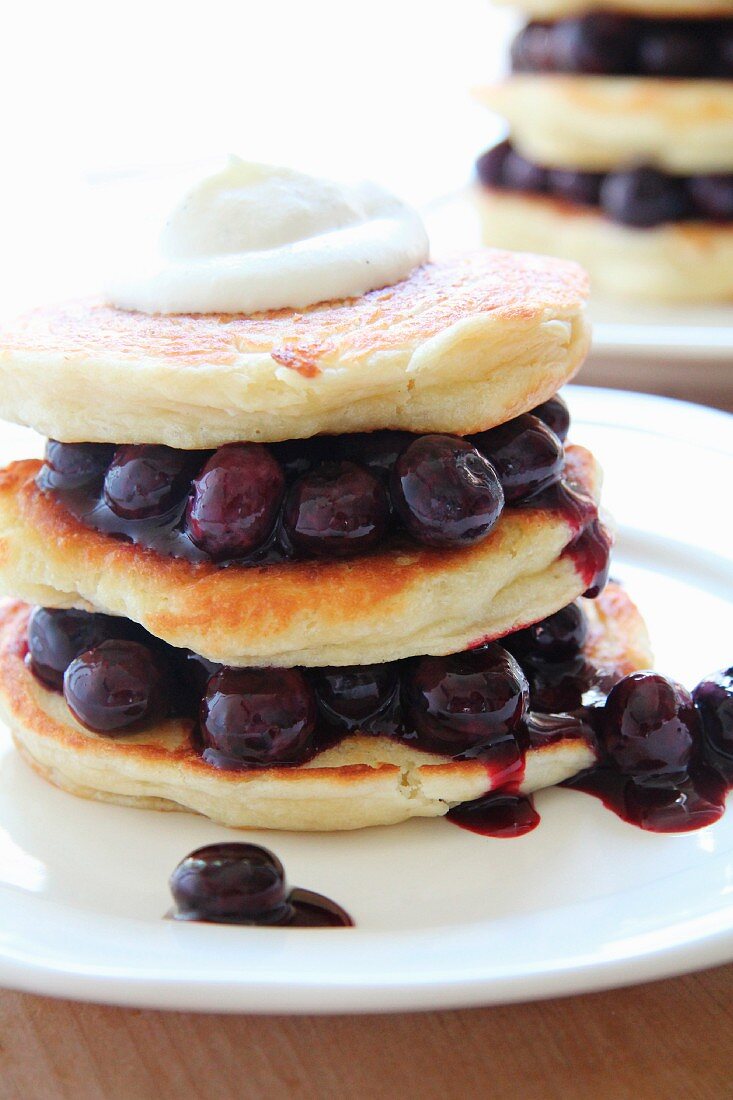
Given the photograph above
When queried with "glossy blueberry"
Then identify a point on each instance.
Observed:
(644, 197)
(572, 185)
(467, 701)
(56, 637)
(446, 492)
(713, 698)
(230, 882)
(600, 42)
(235, 501)
(556, 415)
(116, 687)
(556, 638)
(338, 510)
(712, 197)
(490, 165)
(561, 687)
(258, 716)
(147, 480)
(353, 695)
(525, 453)
(70, 466)
(650, 726)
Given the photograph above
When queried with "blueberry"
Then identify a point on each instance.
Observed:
(350, 696)
(235, 501)
(650, 727)
(259, 716)
(230, 882)
(468, 701)
(644, 197)
(446, 492)
(713, 698)
(147, 480)
(526, 454)
(556, 638)
(56, 637)
(556, 415)
(116, 687)
(338, 510)
(70, 466)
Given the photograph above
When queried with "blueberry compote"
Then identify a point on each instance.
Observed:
(235, 883)
(328, 497)
(640, 196)
(665, 757)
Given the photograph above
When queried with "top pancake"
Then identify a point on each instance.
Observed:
(656, 9)
(458, 346)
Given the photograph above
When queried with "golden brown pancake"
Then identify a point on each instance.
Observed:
(459, 346)
(598, 123)
(394, 603)
(676, 262)
(362, 781)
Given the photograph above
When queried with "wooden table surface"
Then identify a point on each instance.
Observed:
(665, 1039)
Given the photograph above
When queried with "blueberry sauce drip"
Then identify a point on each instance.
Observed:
(605, 43)
(502, 814)
(640, 196)
(659, 767)
(250, 504)
(237, 883)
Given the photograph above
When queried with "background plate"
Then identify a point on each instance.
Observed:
(445, 918)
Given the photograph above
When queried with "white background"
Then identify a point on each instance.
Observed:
(98, 93)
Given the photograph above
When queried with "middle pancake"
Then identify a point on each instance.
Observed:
(396, 602)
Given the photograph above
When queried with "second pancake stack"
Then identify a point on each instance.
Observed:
(621, 145)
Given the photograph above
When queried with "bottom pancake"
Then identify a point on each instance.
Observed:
(675, 262)
(362, 781)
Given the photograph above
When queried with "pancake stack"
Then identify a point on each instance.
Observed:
(262, 571)
(620, 153)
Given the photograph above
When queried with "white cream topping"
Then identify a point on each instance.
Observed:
(256, 237)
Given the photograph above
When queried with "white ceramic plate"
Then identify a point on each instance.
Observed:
(444, 917)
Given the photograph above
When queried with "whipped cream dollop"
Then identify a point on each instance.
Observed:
(257, 237)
